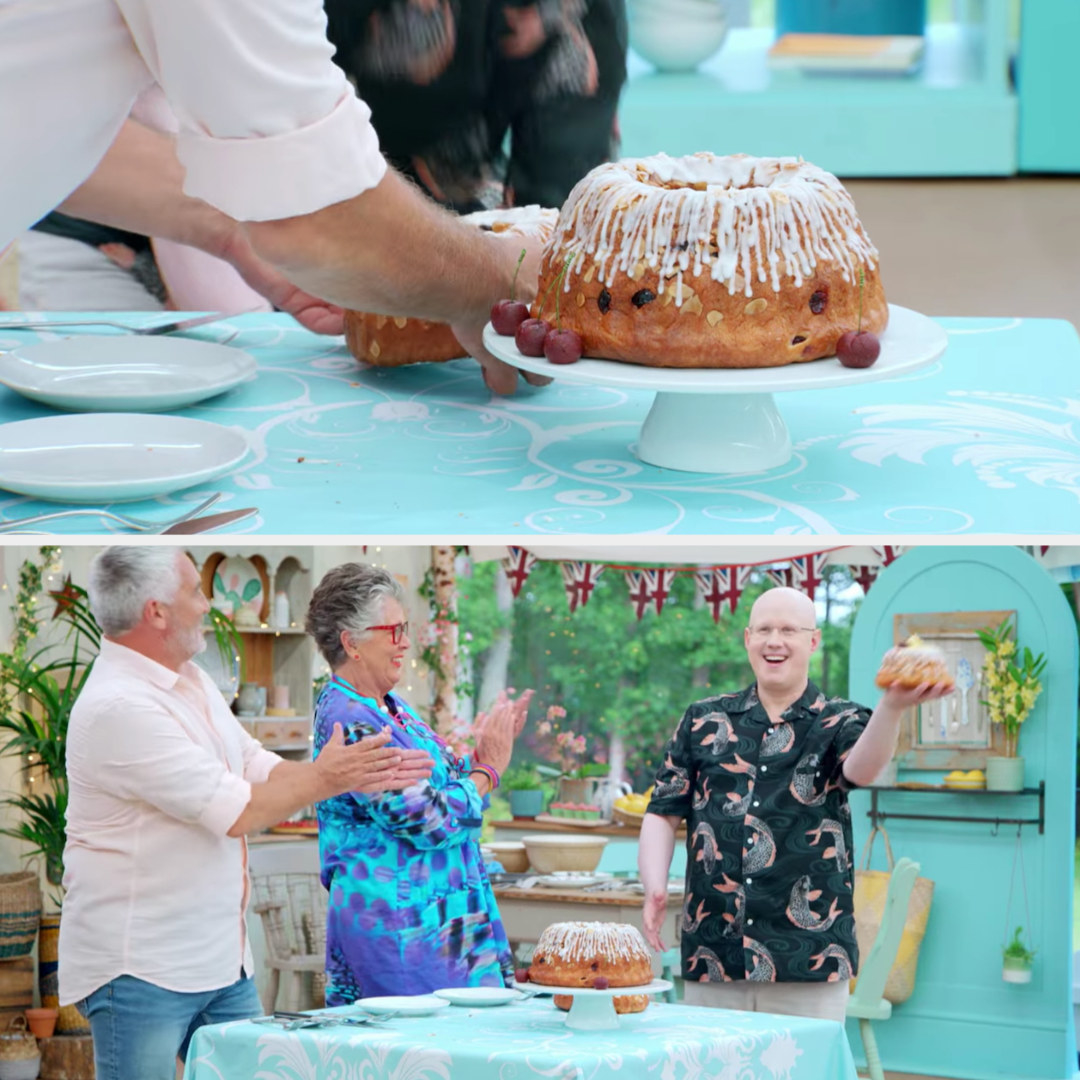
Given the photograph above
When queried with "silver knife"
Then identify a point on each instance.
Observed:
(209, 522)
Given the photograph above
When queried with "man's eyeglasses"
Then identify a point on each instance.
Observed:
(397, 631)
(786, 632)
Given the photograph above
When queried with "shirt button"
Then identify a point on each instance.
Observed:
(764, 768)
(756, 802)
(749, 881)
(749, 922)
(750, 841)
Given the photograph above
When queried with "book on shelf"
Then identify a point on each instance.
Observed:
(846, 53)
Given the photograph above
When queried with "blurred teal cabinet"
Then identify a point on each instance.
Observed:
(956, 116)
(1048, 83)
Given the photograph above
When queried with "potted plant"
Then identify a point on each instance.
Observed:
(524, 790)
(1012, 683)
(1016, 960)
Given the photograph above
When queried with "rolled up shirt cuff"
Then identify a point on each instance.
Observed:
(261, 765)
(281, 176)
(226, 805)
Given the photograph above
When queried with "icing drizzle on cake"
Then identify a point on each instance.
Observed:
(740, 219)
(575, 942)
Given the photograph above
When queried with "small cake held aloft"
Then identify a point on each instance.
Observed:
(392, 341)
(710, 262)
(912, 664)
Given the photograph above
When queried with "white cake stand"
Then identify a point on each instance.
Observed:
(726, 420)
(594, 1010)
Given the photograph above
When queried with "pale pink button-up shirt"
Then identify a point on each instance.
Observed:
(159, 770)
(269, 125)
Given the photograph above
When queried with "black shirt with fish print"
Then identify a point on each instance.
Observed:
(769, 867)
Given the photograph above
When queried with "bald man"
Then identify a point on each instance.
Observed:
(761, 779)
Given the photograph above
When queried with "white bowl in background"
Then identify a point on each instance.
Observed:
(552, 852)
(674, 42)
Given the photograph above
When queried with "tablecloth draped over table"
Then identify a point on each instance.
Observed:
(530, 1039)
(986, 440)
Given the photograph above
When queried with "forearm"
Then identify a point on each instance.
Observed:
(656, 846)
(393, 251)
(138, 186)
(290, 786)
(876, 745)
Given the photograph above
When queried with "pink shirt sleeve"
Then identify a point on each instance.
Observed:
(269, 125)
(155, 761)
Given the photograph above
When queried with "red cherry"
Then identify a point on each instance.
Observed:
(858, 350)
(507, 316)
(563, 347)
(601, 983)
(522, 974)
(529, 337)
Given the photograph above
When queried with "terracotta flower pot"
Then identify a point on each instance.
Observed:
(42, 1022)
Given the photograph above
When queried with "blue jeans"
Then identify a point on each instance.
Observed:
(140, 1029)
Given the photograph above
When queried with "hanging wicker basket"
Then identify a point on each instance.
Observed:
(20, 913)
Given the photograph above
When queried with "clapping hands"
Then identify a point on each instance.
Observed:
(494, 731)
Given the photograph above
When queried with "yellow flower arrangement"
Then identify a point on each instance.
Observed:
(1011, 680)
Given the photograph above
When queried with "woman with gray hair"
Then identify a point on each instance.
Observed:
(411, 909)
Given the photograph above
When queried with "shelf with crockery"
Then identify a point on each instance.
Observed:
(955, 115)
(266, 593)
(878, 815)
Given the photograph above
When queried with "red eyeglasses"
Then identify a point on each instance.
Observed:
(397, 631)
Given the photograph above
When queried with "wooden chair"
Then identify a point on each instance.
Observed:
(866, 1002)
(291, 903)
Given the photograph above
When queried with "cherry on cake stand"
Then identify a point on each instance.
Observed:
(727, 420)
(594, 1010)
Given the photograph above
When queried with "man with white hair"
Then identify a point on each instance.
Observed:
(761, 778)
(164, 785)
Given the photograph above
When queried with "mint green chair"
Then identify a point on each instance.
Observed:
(866, 1002)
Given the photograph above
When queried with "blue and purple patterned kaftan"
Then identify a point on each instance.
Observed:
(411, 909)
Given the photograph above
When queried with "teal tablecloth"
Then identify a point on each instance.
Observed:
(530, 1039)
(985, 441)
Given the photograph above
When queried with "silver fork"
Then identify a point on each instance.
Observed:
(150, 330)
(137, 524)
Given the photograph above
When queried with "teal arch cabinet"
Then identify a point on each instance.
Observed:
(1048, 81)
(963, 1020)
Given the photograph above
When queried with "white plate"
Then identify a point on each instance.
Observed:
(657, 986)
(411, 1005)
(909, 341)
(480, 996)
(105, 372)
(114, 457)
(572, 879)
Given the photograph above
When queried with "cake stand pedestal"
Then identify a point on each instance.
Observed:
(714, 420)
(594, 1010)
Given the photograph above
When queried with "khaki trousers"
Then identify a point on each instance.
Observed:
(819, 1000)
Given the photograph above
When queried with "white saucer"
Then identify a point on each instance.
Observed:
(122, 374)
(407, 1005)
(480, 996)
(114, 457)
(715, 420)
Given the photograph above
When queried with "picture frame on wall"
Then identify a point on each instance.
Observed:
(953, 732)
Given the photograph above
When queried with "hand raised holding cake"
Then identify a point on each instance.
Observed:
(914, 672)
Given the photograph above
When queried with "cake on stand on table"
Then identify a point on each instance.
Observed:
(726, 420)
(594, 1010)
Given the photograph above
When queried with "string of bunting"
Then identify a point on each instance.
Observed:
(719, 587)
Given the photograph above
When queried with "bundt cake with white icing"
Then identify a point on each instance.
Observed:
(710, 262)
(392, 341)
(912, 664)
